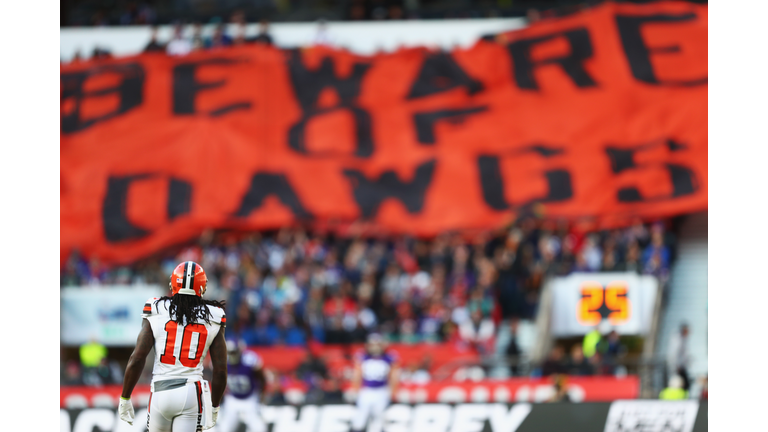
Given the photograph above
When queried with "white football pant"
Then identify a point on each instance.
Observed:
(234, 409)
(371, 403)
(177, 410)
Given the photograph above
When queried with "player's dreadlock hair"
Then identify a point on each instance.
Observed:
(186, 308)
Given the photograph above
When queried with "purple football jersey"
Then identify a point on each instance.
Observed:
(375, 369)
(240, 380)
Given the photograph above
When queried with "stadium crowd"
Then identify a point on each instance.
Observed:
(297, 287)
(75, 13)
(291, 286)
(131, 12)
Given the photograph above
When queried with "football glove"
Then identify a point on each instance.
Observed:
(214, 416)
(126, 411)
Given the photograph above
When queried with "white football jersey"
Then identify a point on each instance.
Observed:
(180, 349)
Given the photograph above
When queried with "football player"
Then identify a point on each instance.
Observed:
(246, 384)
(375, 380)
(182, 328)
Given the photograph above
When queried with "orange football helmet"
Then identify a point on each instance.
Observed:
(188, 278)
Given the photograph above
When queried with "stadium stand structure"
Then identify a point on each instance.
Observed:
(687, 293)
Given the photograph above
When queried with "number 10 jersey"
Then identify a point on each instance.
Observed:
(180, 349)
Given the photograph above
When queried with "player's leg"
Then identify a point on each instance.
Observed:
(190, 419)
(252, 417)
(228, 416)
(163, 406)
(378, 406)
(362, 410)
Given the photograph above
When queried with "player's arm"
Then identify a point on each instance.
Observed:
(261, 377)
(394, 377)
(219, 364)
(357, 376)
(144, 344)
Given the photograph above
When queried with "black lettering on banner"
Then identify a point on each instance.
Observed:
(370, 194)
(309, 84)
(639, 54)
(129, 92)
(114, 213)
(683, 179)
(440, 72)
(117, 227)
(266, 184)
(425, 121)
(572, 64)
(492, 182)
(179, 198)
(186, 88)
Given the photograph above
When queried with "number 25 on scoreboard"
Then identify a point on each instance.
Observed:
(598, 303)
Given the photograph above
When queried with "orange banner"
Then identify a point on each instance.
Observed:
(600, 115)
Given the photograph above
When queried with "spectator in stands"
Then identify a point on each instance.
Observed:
(578, 364)
(240, 34)
(593, 256)
(71, 374)
(107, 372)
(396, 12)
(599, 365)
(612, 349)
(679, 356)
(566, 260)
(198, 43)
(313, 365)
(154, 45)
(632, 262)
(451, 335)
(415, 373)
(313, 312)
(284, 331)
(591, 340)
(555, 363)
(675, 390)
(322, 35)
(130, 13)
(92, 353)
(513, 351)
(478, 332)
(356, 11)
(433, 320)
(656, 255)
(263, 37)
(219, 39)
(338, 310)
(238, 19)
(481, 301)
(99, 19)
(333, 393)
(639, 233)
(610, 264)
(146, 15)
(178, 45)
(378, 9)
